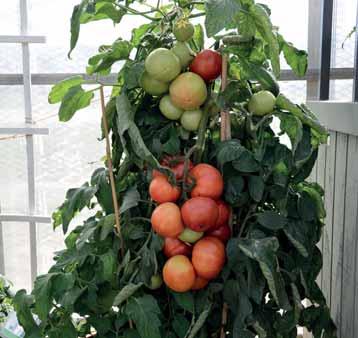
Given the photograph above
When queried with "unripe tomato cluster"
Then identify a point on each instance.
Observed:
(183, 74)
(195, 231)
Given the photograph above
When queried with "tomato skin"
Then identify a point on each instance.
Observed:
(208, 257)
(173, 247)
(161, 191)
(190, 120)
(166, 220)
(207, 64)
(177, 169)
(179, 274)
(188, 91)
(156, 282)
(183, 30)
(209, 182)
(223, 233)
(200, 213)
(190, 236)
(200, 283)
(224, 214)
(153, 86)
(262, 103)
(168, 109)
(184, 53)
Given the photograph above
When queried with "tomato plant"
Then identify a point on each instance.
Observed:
(207, 64)
(259, 278)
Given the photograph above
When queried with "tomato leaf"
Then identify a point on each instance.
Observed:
(75, 99)
(128, 291)
(184, 300)
(145, 312)
(221, 14)
(130, 199)
(271, 220)
(61, 88)
(256, 187)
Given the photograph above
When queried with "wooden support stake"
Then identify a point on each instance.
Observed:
(225, 134)
(110, 170)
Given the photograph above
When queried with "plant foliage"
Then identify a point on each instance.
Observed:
(272, 258)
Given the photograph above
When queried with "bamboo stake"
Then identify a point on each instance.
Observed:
(225, 134)
(110, 170)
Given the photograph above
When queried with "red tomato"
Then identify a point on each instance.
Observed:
(200, 283)
(208, 257)
(224, 213)
(200, 213)
(208, 181)
(207, 64)
(166, 220)
(223, 233)
(179, 274)
(161, 191)
(174, 247)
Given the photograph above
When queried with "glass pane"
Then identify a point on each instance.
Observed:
(13, 174)
(10, 18)
(10, 57)
(341, 90)
(295, 90)
(17, 254)
(11, 104)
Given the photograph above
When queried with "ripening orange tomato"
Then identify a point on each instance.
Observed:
(208, 181)
(224, 213)
(200, 283)
(161, 191)
(174, 247)
(200, 213)
(179, 274)
(208, 257)
(166, 220)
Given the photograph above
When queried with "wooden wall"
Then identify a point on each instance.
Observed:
(337, 172)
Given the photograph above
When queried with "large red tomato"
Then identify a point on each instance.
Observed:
(208, 257)
(200, 283)
(223, 233)
(166, 220)
(207, 64)
(200, 213)
(174, 247)
(176, 165)
(208, 181)
(224, 213)
(161, 191)
(179, 274)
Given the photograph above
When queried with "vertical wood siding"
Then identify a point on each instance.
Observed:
(337, 172)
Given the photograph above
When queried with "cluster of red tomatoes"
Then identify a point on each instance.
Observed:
(166, 70)
(196, 231)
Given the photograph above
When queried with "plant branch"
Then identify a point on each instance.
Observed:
(135, 12)
(110, 170)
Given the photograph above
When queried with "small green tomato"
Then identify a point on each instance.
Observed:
(190, 236)
(169, 110)
(190, 120)
(262, 103)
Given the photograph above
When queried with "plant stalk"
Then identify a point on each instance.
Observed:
(110, 170)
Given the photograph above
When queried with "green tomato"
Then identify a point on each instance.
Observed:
(190, 120)
(156, 282)
(262, 103)
(153, 86)
(190, 236)
(184, 53)
(183, 30)
(169, 110)
(162, 64)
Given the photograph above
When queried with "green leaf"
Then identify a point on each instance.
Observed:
(246, 162)
(103, 10)
(100, 179)
(119, 50)
(199, 37)
(297, 234)
(234, 190)
(108, 261)
(185, 300)
(221, 14)
(297, 59)
(145, 312)
(22, 303)
(76, 24)
(130, 199)
(193, 331)
(76, 200)
(75, 99)
(132, 73)
(292, 126)
(247, 25)
(256, 187)
(228, 151)
(125, 124)
(264, 252)
(128, 291)
(271, 220)
(180, 325)
(107, 224)
(265, 28)
(172, 146)
(138, 33)
(60, 89)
